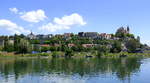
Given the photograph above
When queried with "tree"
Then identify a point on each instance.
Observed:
(8, 46)
(68, 53)
(138, 38)
(16, 42)
(24, 46)
(1, 48)
(35, 41)
(132, 45)
(22, 36)
(44, 49)
(116, 47)
(103, 49)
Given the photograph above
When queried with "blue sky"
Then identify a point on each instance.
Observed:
(60, 16)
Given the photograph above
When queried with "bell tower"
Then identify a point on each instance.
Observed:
(128, 29)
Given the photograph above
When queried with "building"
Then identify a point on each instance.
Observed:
(105, 36)
(50, 35)
(11, 41)
(31, 36)
(71, 45)
(88, 34)
(1, 42)
(44, 45)
(68, 34)
(81, 34)
(91, 34)
(123, 30)
(58, 35)
(88, 45)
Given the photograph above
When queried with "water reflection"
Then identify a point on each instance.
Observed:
(16, 68)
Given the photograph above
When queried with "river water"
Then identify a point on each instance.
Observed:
(87, 70)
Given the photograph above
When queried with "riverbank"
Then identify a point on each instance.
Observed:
(76, 54)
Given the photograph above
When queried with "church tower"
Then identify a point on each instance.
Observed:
(128, 29)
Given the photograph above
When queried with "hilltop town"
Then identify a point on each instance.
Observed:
(121, 41)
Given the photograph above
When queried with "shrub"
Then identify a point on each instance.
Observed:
(68, 53)
(55, 54)
(44, 54)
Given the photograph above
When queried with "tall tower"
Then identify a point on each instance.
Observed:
(31, 32)
(128, 29)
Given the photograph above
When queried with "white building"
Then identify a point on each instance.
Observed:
(31, 36)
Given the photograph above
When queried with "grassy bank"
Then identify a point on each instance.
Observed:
(75, 54)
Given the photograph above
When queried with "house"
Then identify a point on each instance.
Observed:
(105, 36)
(11, 41)
(40, 36)
(88, 34)
(57, 45)
(44, 45)
(91, 34)
(68, 34)
(50, 35)
(81, 34)
(1, 42)
(71, 45)
(88, 45)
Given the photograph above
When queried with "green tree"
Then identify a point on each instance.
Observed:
(102, 50)
(68, 53)
(1, 48)
(8, 46)
(132, 45)
(116, 47)
(120, 35)
(35, 41)
(24, 46)
(16, 42)
(44, 49)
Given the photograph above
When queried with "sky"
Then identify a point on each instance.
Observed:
(63, 16)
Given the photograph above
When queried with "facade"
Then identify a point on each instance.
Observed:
(44, 45)
(81, 34)
(91, 34)
(105, 36)
(88, 45)
(71, 45)
(1, 42)
(40, 36)
(11, 41)
(68, 34)
(88, 34)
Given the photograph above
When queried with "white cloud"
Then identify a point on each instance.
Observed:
(65, 22)
(34, 16)
(12, 27)
(14, 10)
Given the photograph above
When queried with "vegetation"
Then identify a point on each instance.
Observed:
(132, 45)
(121, 41)
(1, 48)
(116, 47)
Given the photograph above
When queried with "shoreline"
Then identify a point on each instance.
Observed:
(59, 54)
